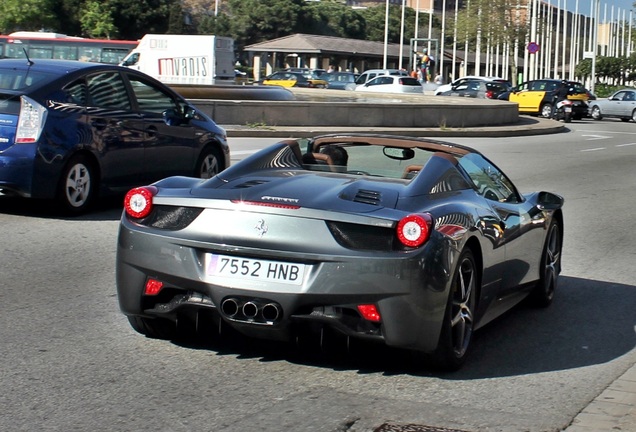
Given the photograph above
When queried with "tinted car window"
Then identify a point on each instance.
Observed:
(9, 104)
(11, 79)
(410, 81)
(150, 98)
(577, 87)
(491, 183)
(107, 90)
(76, 92)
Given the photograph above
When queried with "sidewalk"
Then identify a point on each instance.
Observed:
(613, 410)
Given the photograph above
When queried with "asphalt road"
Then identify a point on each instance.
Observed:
(70, 361)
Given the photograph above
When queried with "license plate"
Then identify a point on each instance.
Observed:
(568, 109)
(255, 269)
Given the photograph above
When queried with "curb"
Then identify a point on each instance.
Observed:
(526, 126)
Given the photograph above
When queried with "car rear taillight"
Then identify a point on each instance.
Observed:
(153, 287)
(490, 94)
(413, 230)
(369, 312)
(138, 201)
(30, 122)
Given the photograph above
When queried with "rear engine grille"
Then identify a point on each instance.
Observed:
(368, 197)
(364, 237)
(171, 218)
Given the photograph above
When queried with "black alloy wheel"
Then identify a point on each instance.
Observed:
(543, 293)
(458, 326)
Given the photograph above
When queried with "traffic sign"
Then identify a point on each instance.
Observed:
(533, 47)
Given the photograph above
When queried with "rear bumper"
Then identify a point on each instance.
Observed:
(16, 169)
(410, 297)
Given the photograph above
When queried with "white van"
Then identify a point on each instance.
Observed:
(184, 59)
(372, 73)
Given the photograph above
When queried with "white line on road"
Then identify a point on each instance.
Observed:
(596, 137)
(593, 149)
(626, 145)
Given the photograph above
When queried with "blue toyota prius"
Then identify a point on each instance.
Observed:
(71, 131)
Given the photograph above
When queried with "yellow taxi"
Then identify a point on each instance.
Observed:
(537, 96)
(293, 79)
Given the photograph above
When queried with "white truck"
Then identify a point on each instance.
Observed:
(184, 59)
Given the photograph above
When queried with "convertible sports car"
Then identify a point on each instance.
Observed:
(406, 241)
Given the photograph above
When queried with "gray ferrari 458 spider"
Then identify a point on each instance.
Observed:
(410, 242)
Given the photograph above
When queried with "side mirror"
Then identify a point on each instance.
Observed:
(172, 117)
(189, 112)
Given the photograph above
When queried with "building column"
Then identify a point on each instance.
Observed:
(256, 65)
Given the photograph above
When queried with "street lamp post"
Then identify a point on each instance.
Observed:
(597, 12)
(386, 34)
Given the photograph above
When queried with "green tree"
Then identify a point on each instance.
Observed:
(31, 15)
(254, 21)
(375, 18)
(97, 20)
(333, 18)
(133, 19)
(584, 69)
(67, 16)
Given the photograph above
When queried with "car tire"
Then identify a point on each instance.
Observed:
(546, 110)
(458, 325)
(596, 113)
(208, 164)
(543, 293)
(78, 184)
(157, 328)
(634, 116)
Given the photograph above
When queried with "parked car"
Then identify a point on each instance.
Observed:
(399, 240)
(341, 80)
(391, 84)
(308, 72)
(447, 87)
(478, 89)
(372, 73)
(622, 105)
(73, 130)
(293, 79)
(537, 97)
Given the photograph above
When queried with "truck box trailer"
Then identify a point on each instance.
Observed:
(184, 59)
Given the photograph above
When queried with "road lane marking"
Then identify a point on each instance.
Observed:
(626, 145)
(594, 149)
(596, 137)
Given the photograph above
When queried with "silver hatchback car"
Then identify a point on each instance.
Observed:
(392, 84)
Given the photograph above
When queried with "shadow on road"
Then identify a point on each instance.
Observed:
(108, 208)
(589, 323)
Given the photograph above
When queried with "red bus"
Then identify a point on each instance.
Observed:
(59, 46)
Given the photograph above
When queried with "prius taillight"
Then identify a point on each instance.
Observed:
(31, 121)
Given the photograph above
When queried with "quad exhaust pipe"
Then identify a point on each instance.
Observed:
(251, 310)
